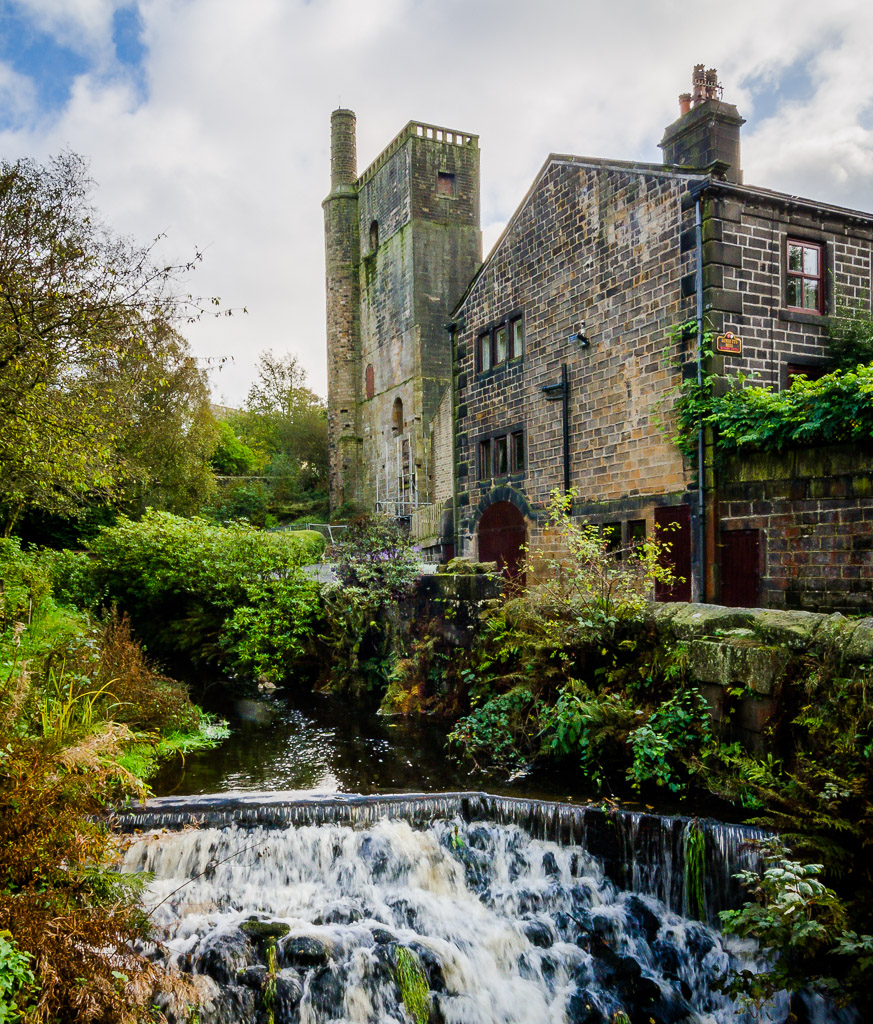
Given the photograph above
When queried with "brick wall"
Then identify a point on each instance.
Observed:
(814, 511)
(599, 242)
(745, 281)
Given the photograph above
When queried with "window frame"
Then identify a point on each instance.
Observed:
(488, 447)
(802, 276)
(484, 465)
(486, 342)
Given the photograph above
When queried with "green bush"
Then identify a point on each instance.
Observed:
(210, 593)
(836, 408)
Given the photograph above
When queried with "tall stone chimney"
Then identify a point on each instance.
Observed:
(706, 136)
(342, 255)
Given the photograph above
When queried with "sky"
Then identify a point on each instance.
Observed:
(206, 122)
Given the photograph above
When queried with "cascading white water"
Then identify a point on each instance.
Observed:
(508, 929)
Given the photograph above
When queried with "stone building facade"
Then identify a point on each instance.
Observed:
(402, 241)
(567, 356)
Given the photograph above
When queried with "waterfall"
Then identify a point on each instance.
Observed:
(455, 908)
(641, 852)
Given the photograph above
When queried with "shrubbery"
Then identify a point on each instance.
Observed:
(376, 569)
(836, 408)
(83, 720)
(228, 595)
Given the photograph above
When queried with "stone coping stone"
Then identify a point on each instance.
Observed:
(815, 632)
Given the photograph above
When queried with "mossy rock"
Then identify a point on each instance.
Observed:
(685, 621)
(464, 567)
(795, 629)
(859, 647)
(260, 930)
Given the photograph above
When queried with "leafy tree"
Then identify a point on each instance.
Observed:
(288, 422)
(168, 432)
(87, 356)
(232, 456)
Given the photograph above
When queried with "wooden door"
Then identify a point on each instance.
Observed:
(673, 530)
(740, 568)
(502, 534)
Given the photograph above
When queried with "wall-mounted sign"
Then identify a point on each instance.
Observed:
(729, 342)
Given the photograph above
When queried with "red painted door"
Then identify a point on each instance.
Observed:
(673, 530)
(502, 534)
(740, 568)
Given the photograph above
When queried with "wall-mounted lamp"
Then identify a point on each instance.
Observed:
(580, 337)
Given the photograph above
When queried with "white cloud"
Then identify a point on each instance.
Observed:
(229, 150)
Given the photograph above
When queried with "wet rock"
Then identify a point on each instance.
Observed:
(253, 977)
(234, 1004)
(476, 865)
(404, 913)
(528, 901)
(667, 957)
(375, 852)
(570, 927)
(479, 838)
(432, 966)
(550, 865)
(642, 918)
(323, 993)
(289, 991)
(340, 912)
(538, 933)
(382, 936)
(581, 1009)
(302, 951)
(698, 941)
(623, 976)
(222, 955)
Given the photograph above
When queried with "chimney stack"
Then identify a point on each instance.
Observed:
(706, 136)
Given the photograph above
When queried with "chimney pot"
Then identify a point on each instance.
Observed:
(684, 103)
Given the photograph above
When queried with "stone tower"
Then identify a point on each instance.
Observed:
(402, 244)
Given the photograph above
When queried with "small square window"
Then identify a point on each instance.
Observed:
(445, 184)
(500, 345)
(501, 456)
(485, 460)
(636, 532)
(516, 333)
(483, 350)
(804, 280)
(517, 451)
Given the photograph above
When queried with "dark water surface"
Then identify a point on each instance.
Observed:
(319, 744)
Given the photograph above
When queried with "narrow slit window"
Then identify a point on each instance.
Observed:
(500, 345)
(483, 345)
(501, 456)
(485, 459)
(516, 333)
(517, 451)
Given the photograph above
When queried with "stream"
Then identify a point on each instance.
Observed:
(309, 895)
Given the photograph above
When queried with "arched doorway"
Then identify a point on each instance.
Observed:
(502, 534)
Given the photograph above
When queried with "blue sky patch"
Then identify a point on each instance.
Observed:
(791, 84)
(53, 67)
(50, 66)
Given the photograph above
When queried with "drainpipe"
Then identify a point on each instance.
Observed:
(452, 328)
(565, 391)
(562, 391)
(701, 475)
